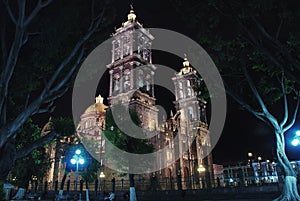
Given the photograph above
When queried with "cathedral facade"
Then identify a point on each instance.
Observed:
(185, 135)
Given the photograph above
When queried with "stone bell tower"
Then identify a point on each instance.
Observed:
(193, 131)
(132, 72)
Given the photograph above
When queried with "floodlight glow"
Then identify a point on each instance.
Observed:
(201, 168)
(78, 151)
(73, 161)
(81, 161)
(298, 133)
(102, 175)
(295, 142)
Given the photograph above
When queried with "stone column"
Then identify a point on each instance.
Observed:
(152, 84)
(121, 79)
(111, 82)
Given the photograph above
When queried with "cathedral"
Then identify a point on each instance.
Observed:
(184, 134)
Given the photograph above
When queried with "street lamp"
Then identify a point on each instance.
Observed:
(102, 175)
(77, 159)
(201, 168)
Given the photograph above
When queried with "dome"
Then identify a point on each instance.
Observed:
(97, 108)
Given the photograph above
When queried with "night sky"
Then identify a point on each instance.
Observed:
(242, 133)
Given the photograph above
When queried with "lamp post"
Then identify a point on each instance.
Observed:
(201, 169)
(77, 159)
(101, 176)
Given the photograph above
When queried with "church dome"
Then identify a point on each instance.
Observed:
(98, 107)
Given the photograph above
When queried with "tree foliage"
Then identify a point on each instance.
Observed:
(36, 163)
(124, 141)
(121, 139)
(252, 43)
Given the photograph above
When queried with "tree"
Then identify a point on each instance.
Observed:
(259, 68)
(125, 142)
(36, 162)
(18, 103)
(33, 161)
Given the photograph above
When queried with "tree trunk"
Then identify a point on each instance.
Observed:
(7, 159)
(289, 191)
(62, 184)
(132, 189)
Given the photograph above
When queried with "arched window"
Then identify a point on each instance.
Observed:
(180, 85)
(140, 79)
(126, 80)
(190, 113)
(188, 83)
(189, 92)
(126, 50)
(147, 85)
(148, 78)
(116, 85)
(180, 94)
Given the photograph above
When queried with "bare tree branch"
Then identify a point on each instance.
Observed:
(252, 39)
(3, 117)
(22, 8)
(55, 94)
(276, 43)
(285, 103)
(9, 11)
(41, 4)
(70, 73)
(8, 130)
(3, 43)
(279, 28)
(12, 58)
(294, 117)
(266, 112)
(45, 109)
(36, 144)
(246, 106)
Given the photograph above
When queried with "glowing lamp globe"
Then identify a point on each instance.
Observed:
(78, 151)
(73, 161)
(298, 133)
(295, 142)
(81, 161)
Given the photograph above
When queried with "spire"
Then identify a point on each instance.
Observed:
(131, 16)
(99, 99)
(186, 62)
(186, 67)
(171, 114)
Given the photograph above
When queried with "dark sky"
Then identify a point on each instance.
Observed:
(242, 132)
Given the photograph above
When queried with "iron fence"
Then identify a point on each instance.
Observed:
(148, 184)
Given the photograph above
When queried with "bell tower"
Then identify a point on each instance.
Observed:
(191, 107)
(192, 123)
(132, 72)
